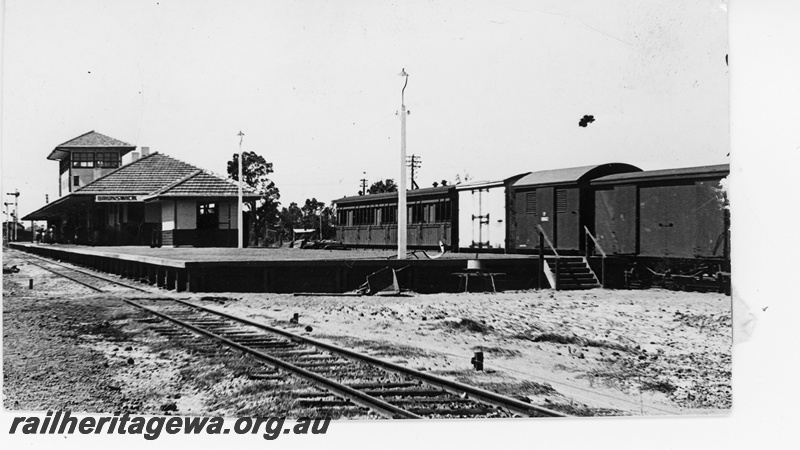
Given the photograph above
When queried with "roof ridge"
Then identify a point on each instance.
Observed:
(211, 173)
(76, 137)
(114, 141)
(176, 182)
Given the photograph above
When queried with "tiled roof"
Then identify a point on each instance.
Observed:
(144, 176)
(94, 139)
(204, 184)
(158, 175)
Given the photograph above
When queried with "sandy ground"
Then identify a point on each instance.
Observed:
(597, 352)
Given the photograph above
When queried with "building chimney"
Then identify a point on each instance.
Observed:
(134, 156)
(145, 151)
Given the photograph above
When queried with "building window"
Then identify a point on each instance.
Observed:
(83, 159)
(207, 216)
(107, 159)
(76, 180)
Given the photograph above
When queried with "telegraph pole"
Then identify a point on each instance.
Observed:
(364, 184)
(239, 210)
(402, 211)
(414, 162)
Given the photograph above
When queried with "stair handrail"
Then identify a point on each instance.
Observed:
(596, 244)
(552, 247)
(602, 252)
(547, 239)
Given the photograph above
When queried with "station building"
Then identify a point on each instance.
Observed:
(153, 200)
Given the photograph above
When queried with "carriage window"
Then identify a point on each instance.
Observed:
(442, 212)
(389, 214)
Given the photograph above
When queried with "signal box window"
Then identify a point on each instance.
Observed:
(83, 160)
(107, 160)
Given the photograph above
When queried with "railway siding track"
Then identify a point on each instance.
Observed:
(95, 282)
(348, 377)
(337, 379)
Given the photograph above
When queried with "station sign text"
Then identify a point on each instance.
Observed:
(118, 198)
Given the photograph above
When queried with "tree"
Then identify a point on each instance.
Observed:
(264, 213)
(312, 215)
(379, 187)
(291, 217)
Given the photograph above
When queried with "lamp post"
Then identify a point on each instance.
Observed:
(402, 210)
(239, 208)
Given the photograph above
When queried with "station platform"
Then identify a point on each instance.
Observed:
(286, 270)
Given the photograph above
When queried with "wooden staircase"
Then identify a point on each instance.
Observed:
(566, 273)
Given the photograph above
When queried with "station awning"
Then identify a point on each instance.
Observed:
(61, 207)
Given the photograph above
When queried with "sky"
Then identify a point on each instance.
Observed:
(495, 88)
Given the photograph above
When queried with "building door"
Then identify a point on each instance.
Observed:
(208, 224)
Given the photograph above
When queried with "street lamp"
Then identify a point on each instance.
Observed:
(402, 210)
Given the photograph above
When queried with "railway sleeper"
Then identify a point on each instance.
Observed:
(311, 403)
(453, 412)
(425, 401)
(297, 353)
(323, 365)
(406, 393)
(383, 385)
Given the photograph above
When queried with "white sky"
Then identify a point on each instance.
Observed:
(495, 89)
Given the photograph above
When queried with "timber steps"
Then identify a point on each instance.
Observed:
(566, 273)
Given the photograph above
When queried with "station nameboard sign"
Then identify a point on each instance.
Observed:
(118, 198)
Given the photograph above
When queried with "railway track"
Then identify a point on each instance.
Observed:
(345, 379)
(93, 281)
(338, 380)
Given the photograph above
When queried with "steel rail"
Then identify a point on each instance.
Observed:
(86, 273)
(67, 277)
(454, 387)
(359, 398)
